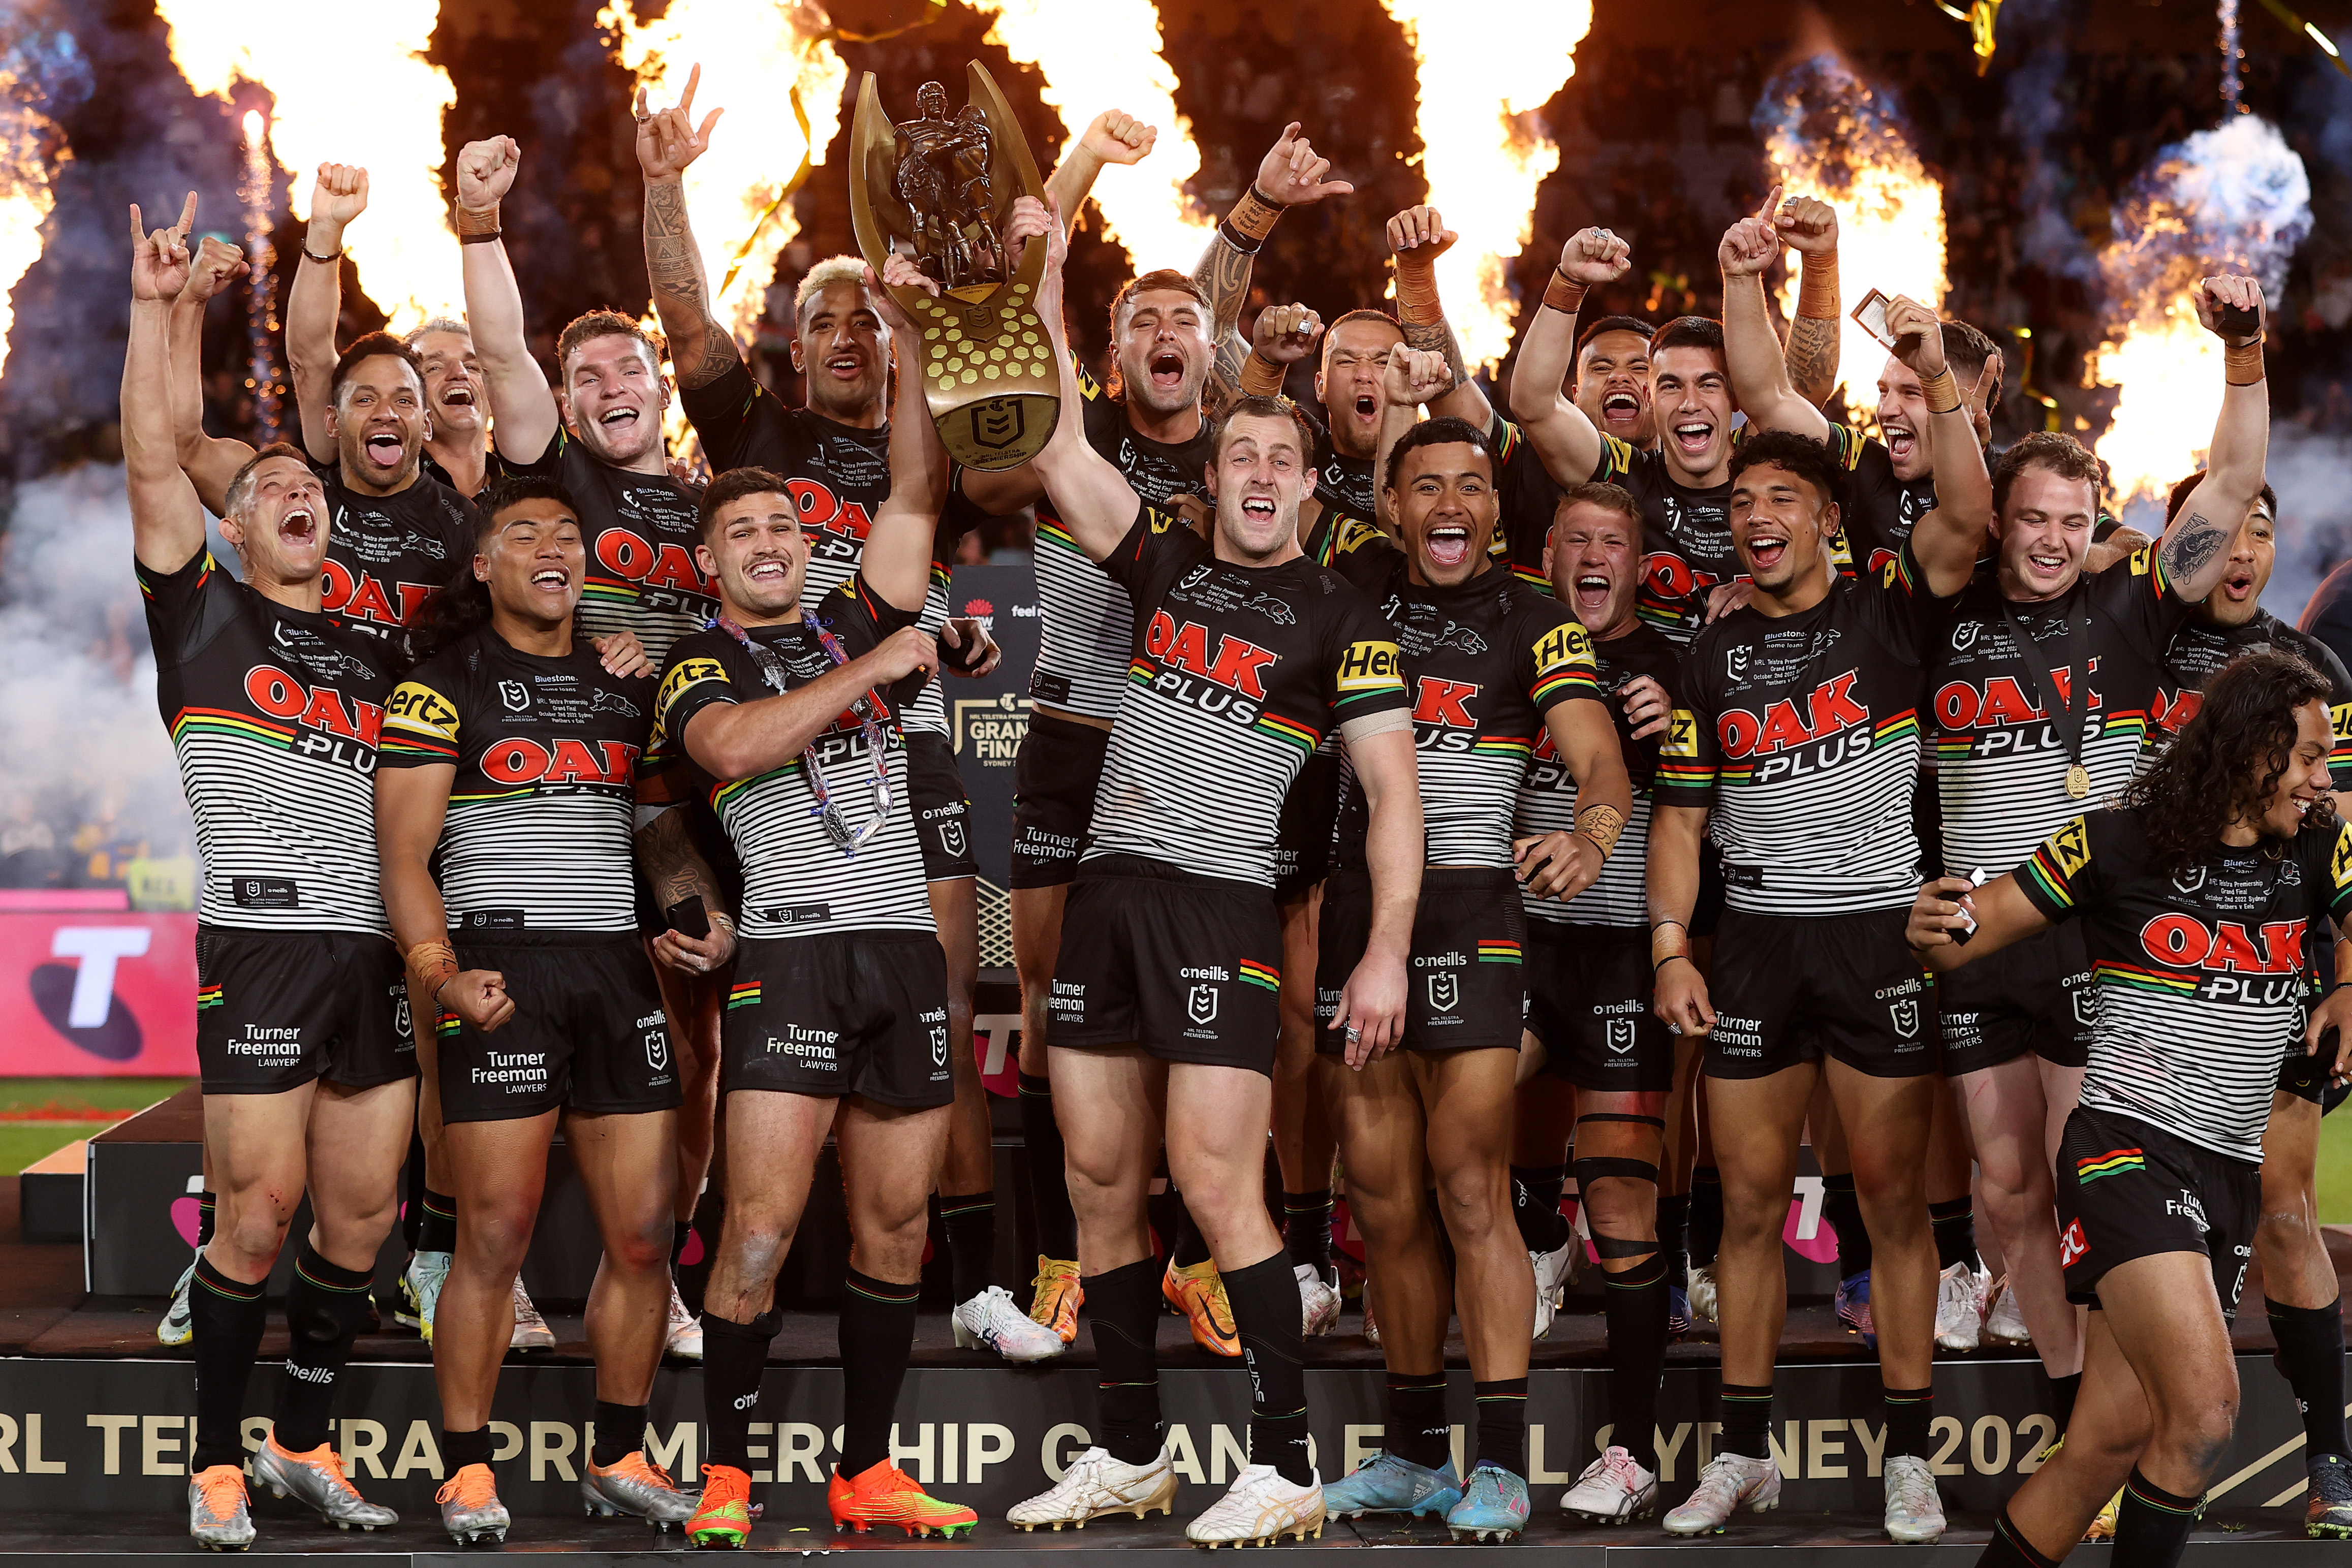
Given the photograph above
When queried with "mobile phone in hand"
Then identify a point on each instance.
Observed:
(688, 918)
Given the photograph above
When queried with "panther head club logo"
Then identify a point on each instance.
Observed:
(951, 839)
(938, 1045)
(1906, 1014)
(515, 695)
(1201, 1004)
(2191, 880)
(1621, 1036)
(1444, 991)
(658, 1049)
(1735, 664)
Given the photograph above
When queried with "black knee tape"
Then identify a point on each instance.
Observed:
(1657, 1121)
(1597, 1166)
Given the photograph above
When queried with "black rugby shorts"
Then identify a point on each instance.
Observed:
(1054, 781)
(2128, 1189)
(862, 1012)
(2034, 996)
(277, 1009)
(1589, 1002)
(942, 810)
(1302, 841)
(1466, 982)
(1789, 989)
(588, 1031)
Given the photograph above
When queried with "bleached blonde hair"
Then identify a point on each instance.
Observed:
(832, 269)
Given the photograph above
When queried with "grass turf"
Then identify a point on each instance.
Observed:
(39, 1115)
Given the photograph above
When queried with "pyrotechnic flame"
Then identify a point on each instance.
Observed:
(1832, 135)
(25, 195)
(2232, 199)
(1094, 55)
(755, 54)
(407, 258)
(1484, 150)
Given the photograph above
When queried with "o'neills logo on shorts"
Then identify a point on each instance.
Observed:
(1212, 971)
(278, 1045)
(806, 1044)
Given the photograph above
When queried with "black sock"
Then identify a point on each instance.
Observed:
(2062, 1390)
(204, 1202)
(1503, 1424)
(325, 1308)
(620, 1432)
(681, 1231)
(1843, 1210)
(1418, 1432)
(2010, 1549)
(1673, 1238)
(1954, 1222)
(1747, 1420)
(1535, 1204)
(1306, 1229)
(1265, 1299)
(227, 1316)
(734, 1357)
(1122, 1308)
(2152, 1526)
(1706, 1216)
(459, 1450)
(2311, 1358)
(1908, 1413)
(970, 1221)
(439, 1233)
(1636, 1303)
(1191, 1248)
(877, 1332)
(1049, 1176)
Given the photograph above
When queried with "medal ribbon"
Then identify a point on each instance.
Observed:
(867, 707)
(2053, 700)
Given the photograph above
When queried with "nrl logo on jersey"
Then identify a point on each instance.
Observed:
(1964, 635)
(2193, 880)
(1735, 664)
(515, 695)
(939, 1046)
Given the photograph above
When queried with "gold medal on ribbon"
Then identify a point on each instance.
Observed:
(2078, 782)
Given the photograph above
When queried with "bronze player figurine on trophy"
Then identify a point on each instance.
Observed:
(940, 190)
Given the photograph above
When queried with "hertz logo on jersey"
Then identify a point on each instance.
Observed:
(689, 672)
(1369, 666)
(1569, 643)
(1239, 667)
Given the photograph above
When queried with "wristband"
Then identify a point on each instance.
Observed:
(2243, 366)
(1817, 289)
(1261, 377)
(1563, 295)
(471, 224)
(1416, 293)
(1251, 219)
(1601, 824)
(327, 261)
(483, 239)
(1942, 393)
(431, 965)
(1668, 940)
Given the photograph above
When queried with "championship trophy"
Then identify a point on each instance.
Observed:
(939, 189)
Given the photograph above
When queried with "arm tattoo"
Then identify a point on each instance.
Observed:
(1813, 342)
(2190, 543)
(1226, 368)
(1438, 335)
(672, 866)
(674, 268)
(1224, 274)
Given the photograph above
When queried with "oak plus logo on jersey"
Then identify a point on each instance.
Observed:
(2001, 706)
(2263, 966)
(1235, 674)
(327, 724)
(633, 567)
(523, 762)
(362, 598)
(1794, 737)
(1445, 706)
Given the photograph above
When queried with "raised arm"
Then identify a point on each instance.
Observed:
(1417, 238)
(1113, 136)
(1092, 497)
(1751, 349)
(1290, 174)
(209, 461)
(1948, 538)
(522, 408)
(167, 522)
(2195, 548)
(1811, 226)
(897, 563)
(701, 348)
(1411, 378)
(315, 304)
(1564, 437)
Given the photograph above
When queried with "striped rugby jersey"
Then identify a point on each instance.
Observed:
(387, 554)
(2202, 974)
(1801, 733)
(1686, 534)
(1237, 673)
(1879, 511)
(539, 830)
(838, 475)
(2198, 652)
(2000, 768)
(796, 882)
(274, 716)
(1484, 663)
(640, 531)
(1085, 619)
(1619, 897)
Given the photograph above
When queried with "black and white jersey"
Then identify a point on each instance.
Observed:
(540, 829)
(2201, 973)
(1485, 662)
(796, 880)
(1801, 733)
(1086, 621)
(1237, 673)
(2000, 766)
(837, 475)
(1341, 483)
(1619, 897)
(1880, 510)
(274, 716)
(2198, 652)
(387, 554)
(640, 531)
